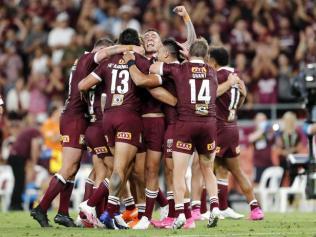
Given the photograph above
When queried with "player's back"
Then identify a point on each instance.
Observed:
(227, 104)
(122, 93)
(81, 68)
(196, 87)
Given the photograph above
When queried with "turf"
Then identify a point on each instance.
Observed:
(293, 224)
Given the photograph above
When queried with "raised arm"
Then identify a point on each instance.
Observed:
(116, 49)
(191, 35)
(163, 95)
(139, 78)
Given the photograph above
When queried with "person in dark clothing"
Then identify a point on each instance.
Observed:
(23, 157)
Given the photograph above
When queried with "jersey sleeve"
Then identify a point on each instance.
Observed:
(169, 70)
(98, 73)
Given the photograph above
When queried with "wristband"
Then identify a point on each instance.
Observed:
(130, 63)
(186, 18)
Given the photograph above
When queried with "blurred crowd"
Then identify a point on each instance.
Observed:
(269, 42)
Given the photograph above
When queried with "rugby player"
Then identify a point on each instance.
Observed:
(196, 87)
(154, 126)
(73, 124)
(228, 149)
(122, 123)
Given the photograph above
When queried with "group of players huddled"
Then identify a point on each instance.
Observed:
(134, 103)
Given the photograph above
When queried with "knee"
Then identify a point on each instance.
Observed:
(152, 170)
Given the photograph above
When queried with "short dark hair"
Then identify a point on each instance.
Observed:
(220, 55)
(106, 42)
(129, 36)
(173, 48)
(199, 48)
(151, 29)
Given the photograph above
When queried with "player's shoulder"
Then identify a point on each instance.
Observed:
(226, 69)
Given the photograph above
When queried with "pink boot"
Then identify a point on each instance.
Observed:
(189, 224)
(165, 223)
(256, 214)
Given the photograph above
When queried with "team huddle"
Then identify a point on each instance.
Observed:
(136, 103)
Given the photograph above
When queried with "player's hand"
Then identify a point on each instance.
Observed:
(180, 10)
(139, 49)
(233, 79)
(184, 51)
(242, 88)
(128, 56)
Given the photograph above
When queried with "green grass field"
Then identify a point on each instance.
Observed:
(293, 224)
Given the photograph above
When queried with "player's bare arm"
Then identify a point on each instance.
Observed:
(191, 35)
(163, 95)
(88, 82)
(243, 92)
(117, 49)
(139, 78)
(156, 68)
(225, 86)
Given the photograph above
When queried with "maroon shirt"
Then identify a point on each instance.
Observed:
(120, 89)
(94, 103)
(196, 87)
(227, 103)
(150, 104)
(23, 143)
(74, 104)
(170, 112)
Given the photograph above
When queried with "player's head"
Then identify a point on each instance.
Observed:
(169, 52)
(219, 57)
(199, 48)
(102, 43)
(129, 36)
(152, 41)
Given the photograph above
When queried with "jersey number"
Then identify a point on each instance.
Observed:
(123, 88)
(234, 100)
(203, 94)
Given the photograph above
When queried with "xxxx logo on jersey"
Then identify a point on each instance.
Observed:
(184, 146)
(81, 139)
(198, 70)
(124, 135)
(100, 150)
(65, 138)
(211, 146)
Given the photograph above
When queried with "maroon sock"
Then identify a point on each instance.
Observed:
(213, 202)
(161, 199)
(113, 205)
(203, 201)
(129, 203)
(64, 199)
(222, 186)
(254, 204)
(56, 185)
(88, 189)
(170, 198)
(99, 194)
(196, 205)
(151, 197)
(141, 207)
(100, 207)
(187, 209)
(179, 209)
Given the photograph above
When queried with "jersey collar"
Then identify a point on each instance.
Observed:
(197, 61)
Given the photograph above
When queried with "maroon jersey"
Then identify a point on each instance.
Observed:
(227, 103)
(196, 87)
(74, 105)
(23, 143)
(171, 114)
(94, 103)
(120, 89)
(150, 104)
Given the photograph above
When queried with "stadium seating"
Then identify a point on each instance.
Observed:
(268, 187)
(6, 186)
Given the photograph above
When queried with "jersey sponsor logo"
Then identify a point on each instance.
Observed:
(124, 135)
(199, 70)
(237, 150)
(100, 150)
(201, 109)
(65, 139)
(81, 139)
(211, 146)
(184, 146)
(117, 100)
(218, 149)
(169, 143)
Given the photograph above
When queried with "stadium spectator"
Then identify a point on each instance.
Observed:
(18, 98)
(262, 139)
